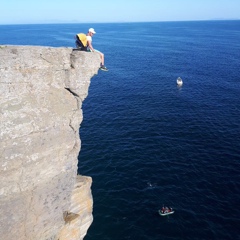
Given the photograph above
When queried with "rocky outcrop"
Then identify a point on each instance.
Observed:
(41, 94)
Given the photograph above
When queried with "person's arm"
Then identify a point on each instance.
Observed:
(89, 42)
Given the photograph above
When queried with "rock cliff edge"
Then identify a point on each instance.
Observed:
(41, 95)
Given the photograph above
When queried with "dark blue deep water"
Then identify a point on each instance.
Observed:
(147, 142)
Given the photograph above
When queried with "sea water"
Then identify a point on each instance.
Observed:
(147, 142)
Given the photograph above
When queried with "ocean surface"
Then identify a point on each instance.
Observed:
(147, 142)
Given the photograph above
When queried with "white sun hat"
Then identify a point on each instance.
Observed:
(92, 30)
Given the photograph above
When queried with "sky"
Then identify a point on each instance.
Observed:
(102, 11)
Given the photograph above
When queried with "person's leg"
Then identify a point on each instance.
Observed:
(102, 67)
(101, 56)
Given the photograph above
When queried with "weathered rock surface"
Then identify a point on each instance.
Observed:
(41, 94)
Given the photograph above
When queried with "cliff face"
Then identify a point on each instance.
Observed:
(41, 94)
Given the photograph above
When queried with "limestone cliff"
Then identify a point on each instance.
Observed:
(41, 94)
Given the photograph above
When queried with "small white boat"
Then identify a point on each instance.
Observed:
(165, 211)
(179, 81)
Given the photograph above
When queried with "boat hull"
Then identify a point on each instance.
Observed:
(165, 214)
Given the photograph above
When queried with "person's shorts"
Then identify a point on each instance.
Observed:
(95, 50)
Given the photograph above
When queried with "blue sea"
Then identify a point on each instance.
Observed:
(147, 142)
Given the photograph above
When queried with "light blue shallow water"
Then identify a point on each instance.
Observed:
(146, 142)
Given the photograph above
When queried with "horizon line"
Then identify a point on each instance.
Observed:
(74, 22)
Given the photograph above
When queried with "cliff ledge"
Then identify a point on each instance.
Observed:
(41, 95)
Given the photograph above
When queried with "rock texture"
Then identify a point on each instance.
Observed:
(41, 94)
